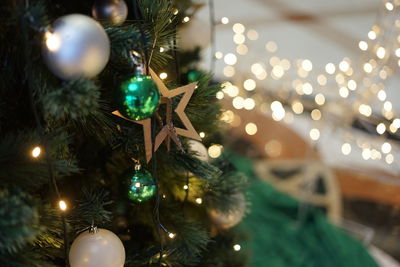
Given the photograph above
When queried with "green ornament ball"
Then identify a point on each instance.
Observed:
(193, 75)
(141, 186)
(139, 97)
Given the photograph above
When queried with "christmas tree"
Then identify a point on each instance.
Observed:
(99, 163)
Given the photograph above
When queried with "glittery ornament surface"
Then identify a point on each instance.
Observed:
(139, 98)
(141, 186)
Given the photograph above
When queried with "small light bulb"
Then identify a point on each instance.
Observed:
(171, 235)
(162, 49)
(224, 20)
(199, 200)
(185, 187)
(163, 75)
(381, 128)
(62, 205)
(137, 185)
(236, 247)
(53, 41)
(36, 151)
(346, 149)
(202, 134)
(186, 19)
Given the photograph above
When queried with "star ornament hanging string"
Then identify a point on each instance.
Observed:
(168, 130)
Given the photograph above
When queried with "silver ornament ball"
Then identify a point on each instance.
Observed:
(114, 11)
(200, 150)
(76, 46)
(97, 249)
(226, 220)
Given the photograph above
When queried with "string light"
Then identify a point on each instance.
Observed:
(53, 41)
(352, 85)
(36, 151)
(314, 134)
(229, 71)
(238, 102)
(218, 55)
(224, 20)
(185, 187)
(227, 116)
(297, 107)
(387, 106)
(202, 134)
(249, 103)
(251, 128)
(239, 38)
(396, 123)
(62, 205)
(307, 88)
(236, 247)
(344, 65)
(330, 68)
(381, 52)
(306, 65)
(321, 79)
(343, 92)
(392, 128)
(238, 28)
(386, 148)
(389, 158)
(199, 200)
(215, 151)
(366, 154)
(257, 69)
(271, 46)
(219, 95)
(367, 67)
(252, 35)
(230, 59)
(249, 85)
(372, 35)
(186, 19)
(389, 6)
(365, 110)
(163, 75)
(320, 99)
(242, 49)
(346, 149)
(363, 45)
(278, 114)
(381, 95)
(380, 128)
(171, 235)
(273, 148)
(316, 114)
(277, 72)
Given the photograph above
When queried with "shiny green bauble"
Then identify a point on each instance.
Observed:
(139, 98)
(141, 186)
(193, 75)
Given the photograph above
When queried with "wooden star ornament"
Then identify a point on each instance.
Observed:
(168, 130)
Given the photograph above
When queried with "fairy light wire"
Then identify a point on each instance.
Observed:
(47, 157)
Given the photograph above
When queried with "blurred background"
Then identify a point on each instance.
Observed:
(310, 93)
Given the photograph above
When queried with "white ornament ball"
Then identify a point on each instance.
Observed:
(199, 148)
(226, 220)
(100, 249)
(76, 46)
